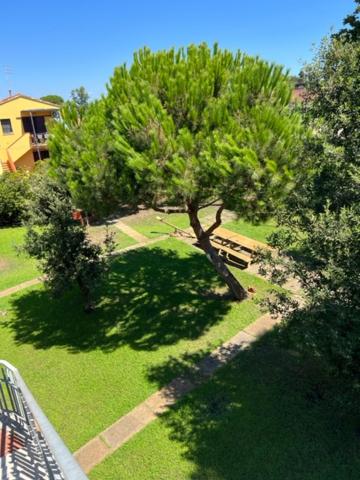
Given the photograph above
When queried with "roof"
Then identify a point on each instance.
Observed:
(20, 95)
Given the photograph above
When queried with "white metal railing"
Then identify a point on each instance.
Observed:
(39, 451)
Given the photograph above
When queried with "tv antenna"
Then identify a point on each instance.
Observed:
(8, 72)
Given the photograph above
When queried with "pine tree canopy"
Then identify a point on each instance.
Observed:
(199, 124)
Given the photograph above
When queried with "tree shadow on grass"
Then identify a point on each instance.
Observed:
(261, 417)
(152, 297)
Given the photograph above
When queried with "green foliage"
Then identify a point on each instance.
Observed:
(199, 124)
(13, 194)
(53, 99)
(81, 154)
(80, 98)
(186, 129)
(322, 218)
(352, 25)
(60, 244)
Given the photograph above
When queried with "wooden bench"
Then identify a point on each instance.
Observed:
(230, 252)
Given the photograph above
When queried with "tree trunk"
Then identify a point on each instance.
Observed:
(86, 296)
(203, 237)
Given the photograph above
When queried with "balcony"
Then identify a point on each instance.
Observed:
(39, 139)
(29, 446)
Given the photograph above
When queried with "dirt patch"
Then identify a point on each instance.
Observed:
(4, 265)
(98, 234)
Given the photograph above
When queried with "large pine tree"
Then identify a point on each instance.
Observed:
(201, 127)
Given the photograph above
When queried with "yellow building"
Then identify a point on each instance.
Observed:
(23, 131)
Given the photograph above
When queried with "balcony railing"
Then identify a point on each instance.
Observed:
(39, 138)
(29, 445)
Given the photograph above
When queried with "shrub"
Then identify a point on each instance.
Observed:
(14, 189)
(61, 245)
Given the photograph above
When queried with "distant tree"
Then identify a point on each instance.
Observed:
(53, 99)
(352, 25)
(61, 244)
(201, 127)
(80, 98)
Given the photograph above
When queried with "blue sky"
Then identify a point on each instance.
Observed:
(54, 46)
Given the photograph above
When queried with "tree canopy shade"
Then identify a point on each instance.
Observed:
(201, 126)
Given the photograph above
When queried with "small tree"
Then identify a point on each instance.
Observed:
(80, 98)
(203, 127)
(61, 244)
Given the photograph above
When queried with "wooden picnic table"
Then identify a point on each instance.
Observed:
(227, 237)
(229, 253)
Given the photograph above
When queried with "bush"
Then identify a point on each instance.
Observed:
(14, 188)
(61, 245)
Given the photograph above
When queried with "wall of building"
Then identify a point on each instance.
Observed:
(26, 162)
(12, 110)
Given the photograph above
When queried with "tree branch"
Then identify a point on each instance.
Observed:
(166, 209)
(210, 203)
(217, 222)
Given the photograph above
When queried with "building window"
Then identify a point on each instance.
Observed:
(6, 126)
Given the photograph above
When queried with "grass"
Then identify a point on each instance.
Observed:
(149, 226)
(98, 233)
(14, 268)
(258, 418)
(257, 232)
(88, 370)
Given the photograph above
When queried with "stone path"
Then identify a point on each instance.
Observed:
(108, 441)
(104, 444)
(36, 281)
(20, 286)
(131, 232)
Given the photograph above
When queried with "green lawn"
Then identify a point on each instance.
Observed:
(259, 418)
(14, 268)
(88, 370)
(151, 227)
(257, 232)
(98, 233)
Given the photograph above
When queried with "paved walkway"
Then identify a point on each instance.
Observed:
(104, 444)
(36, 281)
(139, 237)
(20, 286)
